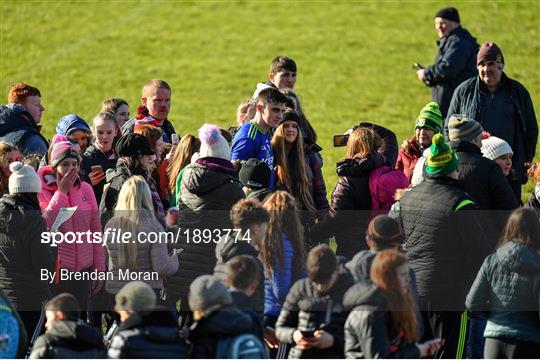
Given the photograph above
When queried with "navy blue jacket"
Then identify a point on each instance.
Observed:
(17, 126)
(470, 99)
(455, 63)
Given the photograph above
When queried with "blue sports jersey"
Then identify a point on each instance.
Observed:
(252, 142)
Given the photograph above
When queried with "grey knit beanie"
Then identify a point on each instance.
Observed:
(23, 179)
(463, 128)
(494, 147)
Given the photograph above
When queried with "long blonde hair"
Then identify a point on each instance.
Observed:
(291, 166)
(181, 158)
(134, 204)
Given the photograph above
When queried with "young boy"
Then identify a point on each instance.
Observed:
(282, 75)
(253, 138)
(243, 280)
(250, 219)
(312, 317)
(67, 337)
(255, 176)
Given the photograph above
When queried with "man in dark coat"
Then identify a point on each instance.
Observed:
(445, 245)
(455, 61)
(502, 106)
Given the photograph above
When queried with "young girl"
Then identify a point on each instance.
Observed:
(499, 151)
(181, 158)
(282, 252)
(100, 157)
(134, 214)
(76, 129)
(135, 157)
(154, 135)
(119, 107)
(293, 171)
(506, 291)
(383, 322)
(62, 188)
(8, 153)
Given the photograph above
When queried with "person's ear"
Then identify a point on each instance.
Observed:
(59, 315)
(144, 100)
(271, 76)
(369, 242)
(260, 108)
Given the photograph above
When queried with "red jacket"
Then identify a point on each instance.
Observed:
(408, 156)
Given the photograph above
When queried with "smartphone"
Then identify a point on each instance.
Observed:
(340, 140)
(308, 333)
(175, 139)
(96, 168)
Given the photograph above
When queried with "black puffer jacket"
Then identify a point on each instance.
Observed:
(455, 63)
(69, 340)
(205, 333)
(145, 337)
(207, 196)
(306, 308)
(443, 236)
(360, 268)
(22, 255)
(228, 249)
(92, 157)
(484, 181)
(350, 207)
(369, 329)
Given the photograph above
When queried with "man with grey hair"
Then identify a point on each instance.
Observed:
(502, 106)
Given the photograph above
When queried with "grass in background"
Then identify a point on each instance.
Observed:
(354, 58)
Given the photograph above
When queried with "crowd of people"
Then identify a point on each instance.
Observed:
(121, 238)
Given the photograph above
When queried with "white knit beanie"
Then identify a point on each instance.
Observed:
(23, 179)
(494, 147)
(213, 143)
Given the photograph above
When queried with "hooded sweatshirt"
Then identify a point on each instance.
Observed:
(507, 292)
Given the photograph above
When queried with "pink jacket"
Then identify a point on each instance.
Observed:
(74, 256)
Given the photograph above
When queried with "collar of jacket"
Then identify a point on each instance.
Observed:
(442, 40)
(25, 201)
(465, 146)
(359, 166)
(444, 179)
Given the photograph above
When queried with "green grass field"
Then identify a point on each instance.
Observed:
(354, 57)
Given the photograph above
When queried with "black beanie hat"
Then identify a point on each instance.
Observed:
(449, 13)
(385, 231)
